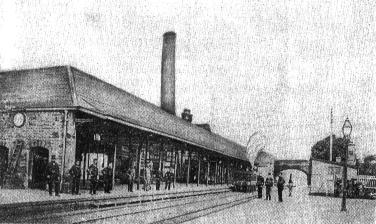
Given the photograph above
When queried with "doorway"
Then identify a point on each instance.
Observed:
(39, 158)
(4, 155)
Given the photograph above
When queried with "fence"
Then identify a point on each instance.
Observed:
(367, 181)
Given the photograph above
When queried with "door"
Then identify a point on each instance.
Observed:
(40, 161)
(4, 154)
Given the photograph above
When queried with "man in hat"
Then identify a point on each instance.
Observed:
(75, 173)
(52, 175)
(280, 186)
(168, 179)
(131, 173)
(93, 175)
(268, 186)
(260, 184)
(107, 178)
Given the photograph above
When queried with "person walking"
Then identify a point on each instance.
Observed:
(280, 186)
(268, 186)
(107, 178)
(260, 184)
(75, 173)
(131, 174)
(52, 176)
(290, 186)
(93, 175)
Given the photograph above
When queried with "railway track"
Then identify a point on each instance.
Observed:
(102, 210)
(168, 212)
(23, 211)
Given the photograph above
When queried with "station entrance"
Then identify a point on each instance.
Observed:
(4, 152)
(39, 160)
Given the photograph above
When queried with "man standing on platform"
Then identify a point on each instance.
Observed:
(93, 175)
(268, 186)
(147, 177)
(107, 178)
(52, 175)
(75, 173)
(168, 177)
(158, 180)
(280, 186)
(260, 184)
(131, 174)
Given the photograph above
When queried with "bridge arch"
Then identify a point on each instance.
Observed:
(301, 165)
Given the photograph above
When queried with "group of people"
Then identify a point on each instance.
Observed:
(269, 182)
(53, 177)
(354, 189)
(168, 178)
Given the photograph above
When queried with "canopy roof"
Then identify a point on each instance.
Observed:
(68, 87)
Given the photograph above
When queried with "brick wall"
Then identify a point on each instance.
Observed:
(41, 129)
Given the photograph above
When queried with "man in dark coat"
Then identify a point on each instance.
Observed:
(260, 184)
(107, 178)
(93, 175)
(158, 180)
(52, 175)
(280, 186)
(75, 173)
(268, 186)
(168, 179)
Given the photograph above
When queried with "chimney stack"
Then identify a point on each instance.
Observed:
(168, 73)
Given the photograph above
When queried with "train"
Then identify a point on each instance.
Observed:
(244, 181)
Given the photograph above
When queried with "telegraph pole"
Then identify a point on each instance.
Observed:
(331, 135)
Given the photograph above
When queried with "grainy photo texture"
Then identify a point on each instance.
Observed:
(202, 111)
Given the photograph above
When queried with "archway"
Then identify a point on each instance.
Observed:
(39, 159)
(301, 165)
(4, 156)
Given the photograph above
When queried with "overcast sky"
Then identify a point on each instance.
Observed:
(274, 66)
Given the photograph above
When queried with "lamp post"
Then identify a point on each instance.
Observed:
(346, 130)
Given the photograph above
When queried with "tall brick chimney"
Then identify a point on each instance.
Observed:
(168, 73)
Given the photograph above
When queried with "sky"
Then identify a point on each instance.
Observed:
(272, 67)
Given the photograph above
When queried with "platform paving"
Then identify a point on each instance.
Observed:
(12, 196)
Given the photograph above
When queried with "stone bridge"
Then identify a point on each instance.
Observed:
(301, 165)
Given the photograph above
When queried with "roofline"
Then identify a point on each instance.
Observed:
(334, 163)
(112, 118)
(29, 109)
(33, 69)
(149, 104)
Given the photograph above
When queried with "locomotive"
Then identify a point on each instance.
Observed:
(244, 181)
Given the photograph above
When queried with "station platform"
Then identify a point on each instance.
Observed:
(23, 202)
(13, 196)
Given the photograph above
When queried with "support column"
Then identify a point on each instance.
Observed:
(160, 157)
(139, 163)
(199, 169)
(189, 166)
(64, 147)
(207, 178)
(227, 171)
(216, 173)
(175, 166)
(113, 167)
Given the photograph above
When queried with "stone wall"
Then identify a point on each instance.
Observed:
(41, 129)
(324, 175)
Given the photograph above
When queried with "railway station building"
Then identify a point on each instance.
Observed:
(68, 113)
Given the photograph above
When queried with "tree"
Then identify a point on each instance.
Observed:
(321, 150)
(368, 167)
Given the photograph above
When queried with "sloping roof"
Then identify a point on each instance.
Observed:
(65, 86)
